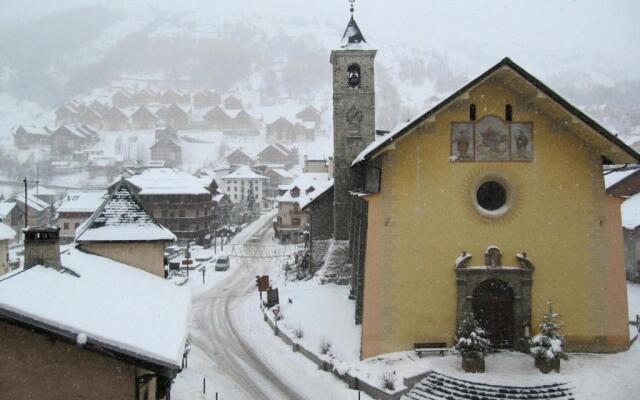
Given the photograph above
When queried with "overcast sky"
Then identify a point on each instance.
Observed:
(602, 37)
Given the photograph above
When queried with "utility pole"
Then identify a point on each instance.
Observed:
(26, 181)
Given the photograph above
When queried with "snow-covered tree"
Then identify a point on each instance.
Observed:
(471, 339)
(548, 343)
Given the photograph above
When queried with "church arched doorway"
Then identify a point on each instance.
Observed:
(492, 305)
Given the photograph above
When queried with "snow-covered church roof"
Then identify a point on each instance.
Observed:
(113, 306)
(122, 218)
(353, 37)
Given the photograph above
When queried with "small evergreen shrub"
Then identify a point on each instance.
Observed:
(388, 379)
(471, 339)
(548, 343)
(325, 346)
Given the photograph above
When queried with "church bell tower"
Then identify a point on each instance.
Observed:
(353, 115)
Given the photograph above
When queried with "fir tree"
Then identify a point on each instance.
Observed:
(471, 339)
(548, 343)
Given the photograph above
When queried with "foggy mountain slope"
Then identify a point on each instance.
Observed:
(281, 50)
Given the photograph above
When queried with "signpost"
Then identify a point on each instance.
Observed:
(262, 282)
(272, 297)
(187, 261)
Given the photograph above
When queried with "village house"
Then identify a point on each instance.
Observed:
(91, 117)
(206, 98)
(25, 137)
(105, 167)
(6, 235)
(238, 157)
(121, 229)
(145, 97)
(123, 98)
(76, 207)
(49, 349)
(278, 153)
(317, 165)
(47, 195)
(291, 222)
(174, 96)
(278, 178)
(143, 118)
(281, 130)
(167, 149)
(66, 114)
(243, 181)
(38, 212)
(11, 215)
(484, 158)
(70, 138)
(309, 114)
(623, 185)
(176, 117)
(177, 200)
(319, 214)
(101, 108)
(244, 122)
(218, 119)
(232, 103)
(115, 120)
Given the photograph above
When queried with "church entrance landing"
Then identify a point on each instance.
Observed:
(499, 296)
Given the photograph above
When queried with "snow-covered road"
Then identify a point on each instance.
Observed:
(235, 351)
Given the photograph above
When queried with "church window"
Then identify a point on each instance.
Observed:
(353, 76)
(491, 196)
(508, 112)
(472, 112)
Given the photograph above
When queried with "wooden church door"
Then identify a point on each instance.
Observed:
(493, 308)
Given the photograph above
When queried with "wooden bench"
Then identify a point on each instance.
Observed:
(430, 348)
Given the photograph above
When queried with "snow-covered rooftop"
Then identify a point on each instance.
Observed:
(82, 201)
(5, 208)
(244, 172)
(307, 183)
(122, 218)
(166, 181)
(630, 211)
(32, 202)
(113, 304)
(612, 178)
(6, 233)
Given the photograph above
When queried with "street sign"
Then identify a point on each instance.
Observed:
(187, 262)
(272, 298)
(276, 312)
(263, 283)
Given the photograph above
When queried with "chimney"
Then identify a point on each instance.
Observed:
(42, 246)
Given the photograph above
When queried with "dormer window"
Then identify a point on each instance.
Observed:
(310, 189)
(295, 192)
(353, 76)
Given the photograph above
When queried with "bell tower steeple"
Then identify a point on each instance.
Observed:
(353, 115)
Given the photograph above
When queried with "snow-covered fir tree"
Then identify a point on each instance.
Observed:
(548, 343)
(471, 339)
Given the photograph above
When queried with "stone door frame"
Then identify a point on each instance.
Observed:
(520, 279)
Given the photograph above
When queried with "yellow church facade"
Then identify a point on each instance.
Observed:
(494, 201)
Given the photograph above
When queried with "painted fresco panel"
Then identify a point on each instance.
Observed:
(521, 141)
(462, 141)
(492, 139)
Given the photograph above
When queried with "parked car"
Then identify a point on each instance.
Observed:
(222, 263)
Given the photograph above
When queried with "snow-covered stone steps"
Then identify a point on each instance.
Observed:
(441, 387)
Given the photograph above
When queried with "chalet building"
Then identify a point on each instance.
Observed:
(281, 130)
(6, 235)
(91, 117)
(66, 114)
(115, 120)
(623, 186)
(12, 213)
(76, 207)
(218, 119)
(278, 153)
(176, 200)
(174, 96)
(232, 103)
(48, 196)
(167, 149)
(239, 157)
(319, 165)
(123, 98)
(319, 214)
(485, 157)
(25, 137)
(49, 349)
(309, 114)
(176, 117)
(143, 118)
(145, 97)
(244, 121)
(291, 222)
(121, 229)
(238, 184)
(207, 98)
(278, 177)
(70, 138)
(101, 108)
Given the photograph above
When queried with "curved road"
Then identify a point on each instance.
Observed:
(215, 333)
